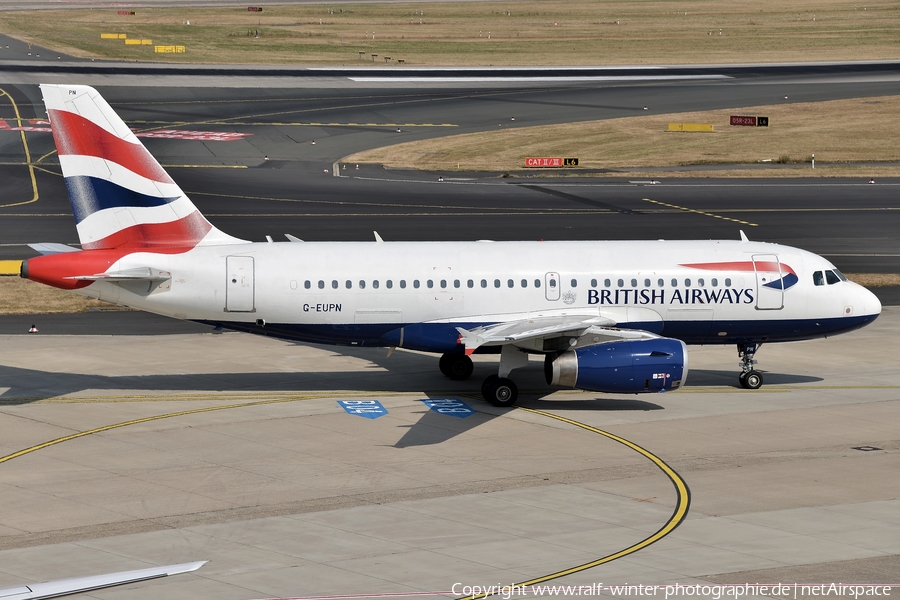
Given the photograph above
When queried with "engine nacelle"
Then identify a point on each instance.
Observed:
(627, 366)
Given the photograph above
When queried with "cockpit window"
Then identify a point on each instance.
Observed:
(840, 275)
(831, 278)
(819, 278)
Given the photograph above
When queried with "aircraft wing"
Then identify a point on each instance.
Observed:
(63, 587)
(542, 334)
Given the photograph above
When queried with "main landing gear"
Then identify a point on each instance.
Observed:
(750, 378)
(457, 367)
(499, 390)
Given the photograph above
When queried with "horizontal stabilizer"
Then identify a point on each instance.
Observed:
(63, 587)
(51, 248)
(137, 274)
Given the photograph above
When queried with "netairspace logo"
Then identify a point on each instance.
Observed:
(665, 592)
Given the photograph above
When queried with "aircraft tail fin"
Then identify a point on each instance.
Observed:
(120, 194)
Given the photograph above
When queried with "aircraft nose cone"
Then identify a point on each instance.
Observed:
(867, 303)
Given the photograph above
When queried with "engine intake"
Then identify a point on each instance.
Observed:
(627, 366)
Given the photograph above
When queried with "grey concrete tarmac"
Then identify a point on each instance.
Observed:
(288, 495)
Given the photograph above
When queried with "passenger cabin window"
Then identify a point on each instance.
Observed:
(715, 282)
(307, 284)
(348, 284)
(402, 284)
(430, 284)
(634, 283)
(687, 283)
(456, 283)
(574, 283)
(661, 283)
(389, 283)
(607, 283)
(537, 283)
(728, 282)
(819, 278)
(443, 283)
(470, 283)
(484, 283)
(674, 282)
(321, 285)
(510, 283)
(593, 283)
(524, 283)
(646, 283)
(334, 284)
(700, 282)
(831, 278)
(375, 284)
(416, 283)
(621, 283)
(362, 284)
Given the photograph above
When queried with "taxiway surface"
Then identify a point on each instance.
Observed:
(257, 468)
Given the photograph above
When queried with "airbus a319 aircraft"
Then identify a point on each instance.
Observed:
(607, 316)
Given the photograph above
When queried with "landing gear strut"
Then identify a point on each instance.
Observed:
(750, 378)
(457, 367)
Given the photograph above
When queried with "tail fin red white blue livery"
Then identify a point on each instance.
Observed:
(121, 196)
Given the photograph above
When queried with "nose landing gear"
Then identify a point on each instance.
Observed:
(750, 378)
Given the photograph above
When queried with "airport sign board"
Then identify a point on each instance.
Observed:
(550, 162)
(749, 121)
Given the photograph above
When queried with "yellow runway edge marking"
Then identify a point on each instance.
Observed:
(700, 212)
(182, 413)
(681, 507)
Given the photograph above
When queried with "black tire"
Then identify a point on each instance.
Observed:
(488, 381)
(753, 380)
(444, 364)
(743, 379)
(457, 367)
(502, 392)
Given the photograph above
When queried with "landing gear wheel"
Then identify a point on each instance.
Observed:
(488, 382)
(752, 380)
(457, 367)
(500, 392)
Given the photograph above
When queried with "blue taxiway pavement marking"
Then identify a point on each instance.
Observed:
(369, 409)
(449, 406)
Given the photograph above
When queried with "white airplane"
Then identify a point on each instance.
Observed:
(607, 316)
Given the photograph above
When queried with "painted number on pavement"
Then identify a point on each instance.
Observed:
(449, 406)
(369, 409)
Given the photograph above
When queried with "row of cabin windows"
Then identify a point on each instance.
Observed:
(510, 283)
(443, 284)
(659, 282)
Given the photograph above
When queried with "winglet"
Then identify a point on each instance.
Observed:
(744, 237)
(377, 237)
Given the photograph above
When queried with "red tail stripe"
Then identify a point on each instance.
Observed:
(167, 238)
(76, 136)
(761, 265)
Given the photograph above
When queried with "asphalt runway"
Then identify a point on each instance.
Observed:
(287, 494)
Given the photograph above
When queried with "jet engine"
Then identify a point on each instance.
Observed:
(626, 366)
